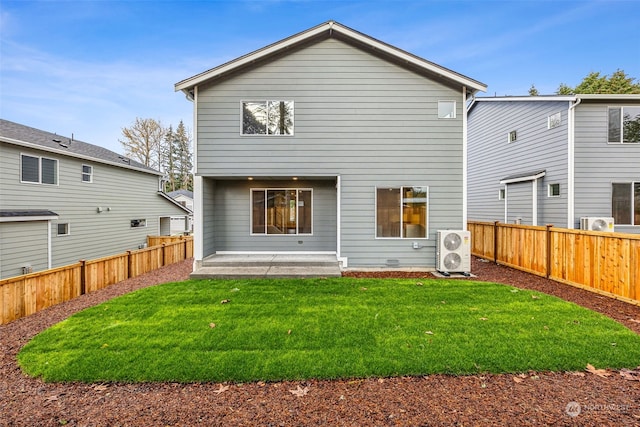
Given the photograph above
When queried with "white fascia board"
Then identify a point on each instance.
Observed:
(612, 97)
(331, 26)
(412, 59)
(75, 155)
(569, 98)
(250, 57)
(174, 202)
(523, 178)
(27, 218)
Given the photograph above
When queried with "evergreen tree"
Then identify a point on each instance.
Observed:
(170, 164)
(184, 163)
(594, 82)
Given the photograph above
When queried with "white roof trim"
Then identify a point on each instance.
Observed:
(28, 218)
(330, 26)
(524, 178)
(563, 98)
(606, 96)
(175, 202)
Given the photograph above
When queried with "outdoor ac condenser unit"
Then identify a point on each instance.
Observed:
(596, 223)
(453, 251)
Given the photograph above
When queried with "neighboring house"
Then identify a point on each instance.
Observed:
(329, 142)
(181, 224)
(63, 200)
(555, 159)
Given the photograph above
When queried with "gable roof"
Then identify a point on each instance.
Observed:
(25, 136)
(181, 192)
(336, 30)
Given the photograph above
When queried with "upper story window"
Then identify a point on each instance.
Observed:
(446, 109)
(40, 170)
(553, 190)
(512, 136)
(554, 120)
(624, 124)
(267, 117)
(87, 173)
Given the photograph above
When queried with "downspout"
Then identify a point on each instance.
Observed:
(343, 261)
(571, 163)
(198, 223)
(49, 249)
(535, 202)
(464, 158)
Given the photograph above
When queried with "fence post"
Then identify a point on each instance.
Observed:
(164, 254)
(83, 277)
(495, 241)
(184, 246)
(129, 264)
(548, 237)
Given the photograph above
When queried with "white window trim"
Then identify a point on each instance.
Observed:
(514, 133)
(632, 200)
(39, 182)
(621, 107)
(502, 193)
(552, 122)
(253, 135)
(550, 193)
(455, 106)
(139, 226)
(375, 216)
(83, 173)
(297, 189)
(68, 233)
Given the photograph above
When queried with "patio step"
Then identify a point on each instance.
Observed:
(268, 265)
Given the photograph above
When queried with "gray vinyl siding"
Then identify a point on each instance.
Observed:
(491, 157)
(123, 195)
(519, 203)
(366, 120)
(209, 207)
(232, 218)
(599, 164)
(23, 244)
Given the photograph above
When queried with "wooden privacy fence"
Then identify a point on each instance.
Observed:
(606, 263)
(24, 295)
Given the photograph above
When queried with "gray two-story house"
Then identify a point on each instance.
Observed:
(555, 159)
(63, 200)
(329, 142)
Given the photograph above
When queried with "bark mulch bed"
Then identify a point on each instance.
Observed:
(537, 398)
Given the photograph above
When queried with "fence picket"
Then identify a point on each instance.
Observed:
(607, 263)
(24, 295)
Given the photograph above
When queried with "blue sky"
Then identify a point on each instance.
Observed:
(89, 68)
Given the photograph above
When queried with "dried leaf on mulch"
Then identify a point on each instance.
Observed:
(300, 392)
(221, 389)
(599, 372)
(631, 374)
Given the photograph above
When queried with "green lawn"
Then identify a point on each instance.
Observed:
(325, 328)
